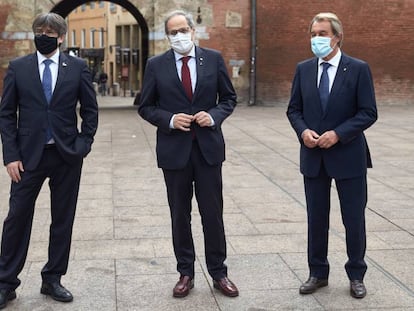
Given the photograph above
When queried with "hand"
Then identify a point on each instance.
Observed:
(14, 169)
(203, 119)
(310, 138)
(328, 139)
(182, 121)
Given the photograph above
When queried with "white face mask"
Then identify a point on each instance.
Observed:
(181, 42)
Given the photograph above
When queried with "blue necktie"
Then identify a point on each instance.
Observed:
(47, 89)
(324, 86)
(47, 80)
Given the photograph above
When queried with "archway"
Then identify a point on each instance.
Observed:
(65, 7)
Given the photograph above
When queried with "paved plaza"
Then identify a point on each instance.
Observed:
(122, 257)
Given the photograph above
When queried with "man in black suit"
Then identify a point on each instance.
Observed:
(332, 103)
(187, 94)
(40, 137)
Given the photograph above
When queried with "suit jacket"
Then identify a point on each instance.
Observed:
(25, 113)
(163, 95)
(351, 109)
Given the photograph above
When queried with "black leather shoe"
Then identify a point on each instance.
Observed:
(5, 296)
(56, 291)
(311, 285)
(358, 289)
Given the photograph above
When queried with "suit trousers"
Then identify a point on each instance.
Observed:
(64, 182)
(206, 180)
(352, 195)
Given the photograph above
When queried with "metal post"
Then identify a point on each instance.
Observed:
(252, 86)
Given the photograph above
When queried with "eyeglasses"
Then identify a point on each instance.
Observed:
(181, 30)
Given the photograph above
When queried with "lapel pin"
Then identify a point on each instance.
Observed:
(64, 64)
(345, 69)
(201, 61)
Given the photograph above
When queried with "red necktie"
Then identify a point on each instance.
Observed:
(186, 78)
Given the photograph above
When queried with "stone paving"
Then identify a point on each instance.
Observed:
(122, 257)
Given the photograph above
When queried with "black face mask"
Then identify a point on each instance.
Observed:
(45, 44)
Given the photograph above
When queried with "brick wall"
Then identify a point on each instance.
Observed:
(233, 42)
(379, 32)
(7, 46)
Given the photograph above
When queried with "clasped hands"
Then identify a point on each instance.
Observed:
(311, 139)
(182, 121)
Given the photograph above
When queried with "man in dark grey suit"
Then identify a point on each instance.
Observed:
(332, 103)
(187, 95)
(40, 137)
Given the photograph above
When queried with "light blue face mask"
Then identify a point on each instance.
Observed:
(321, 46)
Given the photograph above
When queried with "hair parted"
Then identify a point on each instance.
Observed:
(50, 20)
(333, 20)
(187, 16)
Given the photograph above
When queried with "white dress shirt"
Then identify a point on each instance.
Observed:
(334, 62)
(191, 66)
(54, 67)
(193, 73)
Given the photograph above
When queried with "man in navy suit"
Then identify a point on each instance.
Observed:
(187, 95)
(330, 107)
(40, 137)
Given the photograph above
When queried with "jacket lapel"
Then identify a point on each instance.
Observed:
(171, 68)
(62, 71)
(340, 76)
(199, 59)
(313, 73)
(33, 71)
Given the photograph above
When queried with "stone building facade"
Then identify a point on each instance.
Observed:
(378, 32)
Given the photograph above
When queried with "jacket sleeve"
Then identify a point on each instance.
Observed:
(148, 107)
(366, 109)
(295, 108)
(227, 98)
(88, 107)
(8, 117)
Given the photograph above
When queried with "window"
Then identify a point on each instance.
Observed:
(92, 38)
(83, 39)
(101, 38)
(73, 38)
(112, 7)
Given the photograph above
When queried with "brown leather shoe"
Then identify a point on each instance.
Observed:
(226, 287)
(311, 285)
(183, 286)
(358, 289)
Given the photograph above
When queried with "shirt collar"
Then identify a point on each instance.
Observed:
(334, 61)
(54, 58)
(178, 56)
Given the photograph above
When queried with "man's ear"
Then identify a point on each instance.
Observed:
(61, 39)
(339, 39)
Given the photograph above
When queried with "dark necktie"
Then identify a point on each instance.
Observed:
(324, 86)
(47, 89)
(47, 80)
(186, 78)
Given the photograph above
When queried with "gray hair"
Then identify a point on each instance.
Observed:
(52, 20)
(336, 24)
(187, 16)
